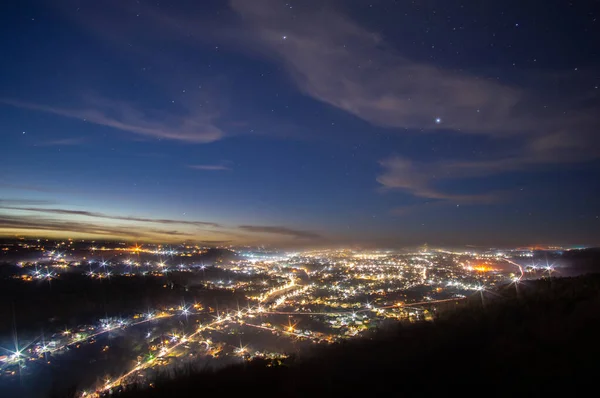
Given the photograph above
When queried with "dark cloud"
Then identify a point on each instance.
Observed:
(280, 231)
(42, 224)
(112, 217)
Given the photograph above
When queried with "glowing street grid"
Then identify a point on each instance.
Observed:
(295, 299)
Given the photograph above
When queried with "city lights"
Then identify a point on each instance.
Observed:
(310, 297)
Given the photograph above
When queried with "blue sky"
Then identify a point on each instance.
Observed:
(301, 123)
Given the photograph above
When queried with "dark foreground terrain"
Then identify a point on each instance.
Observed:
(540, 338)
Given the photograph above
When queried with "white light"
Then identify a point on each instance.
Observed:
(438, 120)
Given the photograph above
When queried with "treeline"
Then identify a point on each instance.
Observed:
(74, 299)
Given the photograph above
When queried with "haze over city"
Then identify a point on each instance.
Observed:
(301, 123)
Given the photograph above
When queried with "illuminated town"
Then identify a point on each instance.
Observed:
(291, 199)
(242, 304)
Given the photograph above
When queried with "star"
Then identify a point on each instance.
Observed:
(438, 120)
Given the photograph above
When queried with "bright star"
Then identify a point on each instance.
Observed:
(438, 120)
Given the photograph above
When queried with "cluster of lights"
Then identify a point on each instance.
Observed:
(326, 286)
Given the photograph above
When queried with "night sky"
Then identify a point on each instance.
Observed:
(301, 123)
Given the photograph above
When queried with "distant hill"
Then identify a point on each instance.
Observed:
(540, 339)
(217, 255)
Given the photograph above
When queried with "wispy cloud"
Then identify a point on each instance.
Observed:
(111, 217)
(189, 113)
(280, 231)
(194, 127)
(339, 62)
(25, 202)
(419, 179)
(336, 60)
(63, 142)
(209, 167)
